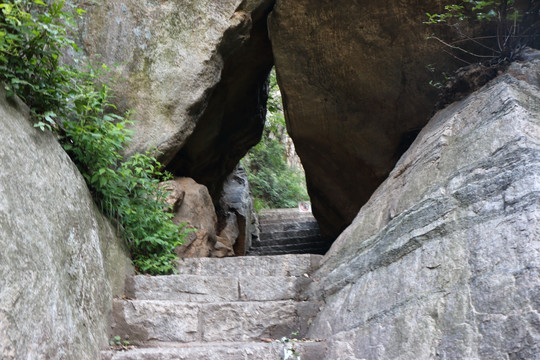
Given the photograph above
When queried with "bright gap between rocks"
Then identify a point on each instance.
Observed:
(276, 176)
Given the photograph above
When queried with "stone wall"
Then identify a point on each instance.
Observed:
(60, 261)
(444, 260)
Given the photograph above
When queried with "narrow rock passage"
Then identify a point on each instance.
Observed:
(219, 309)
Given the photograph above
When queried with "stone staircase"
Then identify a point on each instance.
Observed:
(288, 231)
(219, 309)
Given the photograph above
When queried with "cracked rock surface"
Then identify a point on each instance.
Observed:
(444, 260)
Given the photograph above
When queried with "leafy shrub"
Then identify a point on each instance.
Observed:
(32, 38)
(513, 25)
(72, 103)
(273, 183)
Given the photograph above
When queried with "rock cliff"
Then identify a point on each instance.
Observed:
(444, 259)
(60, 261)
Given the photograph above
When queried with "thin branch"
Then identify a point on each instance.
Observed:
(461, 49)
(456, 57)
(468, 38)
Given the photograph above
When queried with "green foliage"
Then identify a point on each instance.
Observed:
(514, 25)
(117, 342)
(33, 35)
(273, 183)
(74, 105)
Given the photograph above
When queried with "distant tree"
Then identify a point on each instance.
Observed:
(274, 184)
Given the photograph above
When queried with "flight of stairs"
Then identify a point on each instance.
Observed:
(288, 231)
(219, 309)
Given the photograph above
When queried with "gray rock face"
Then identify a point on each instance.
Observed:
(60, 261)
(236, 206)
(194, 72)
(222, 351)
(443, 261)
(284, 265)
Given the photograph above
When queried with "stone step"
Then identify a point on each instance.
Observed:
(290, 247)
(221, 351)
(281, 265)
(274, 215)
(143, 321)
(206, 289)
(309, 242)
(292, 243)
(288, 225)
(290, 234)
(278, 250)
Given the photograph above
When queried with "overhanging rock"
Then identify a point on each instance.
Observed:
(356, 92)
(195, 74)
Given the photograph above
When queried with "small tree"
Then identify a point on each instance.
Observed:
(510, 25)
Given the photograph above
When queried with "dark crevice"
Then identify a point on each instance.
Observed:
(233, 120)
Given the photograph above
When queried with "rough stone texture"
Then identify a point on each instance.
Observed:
(236, 316)
(174, 321)
(282, 265)
(167, 321)
(236, 206)
(196, 208)
(188, 288)
(222, 351)
(60, 261)
(197, 211)
(355, 92)
(269, 288)
(193, 205)
(227, 236)
(175, 195)
(249, 320)
(203, 289)
(444, 260)
(195, 73)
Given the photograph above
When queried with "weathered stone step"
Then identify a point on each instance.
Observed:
(283, 214)
(309, 242)
(174, 321)
(289, 240)
(288, 225)
(281, 265)
(278, 250)
(290, 234)
(221, 351)
(204, 289)
(283, 245)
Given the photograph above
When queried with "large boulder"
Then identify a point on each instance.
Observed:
(193, 206)
(443, 261)
(194, 72)
(355, 90)
(60, 260)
